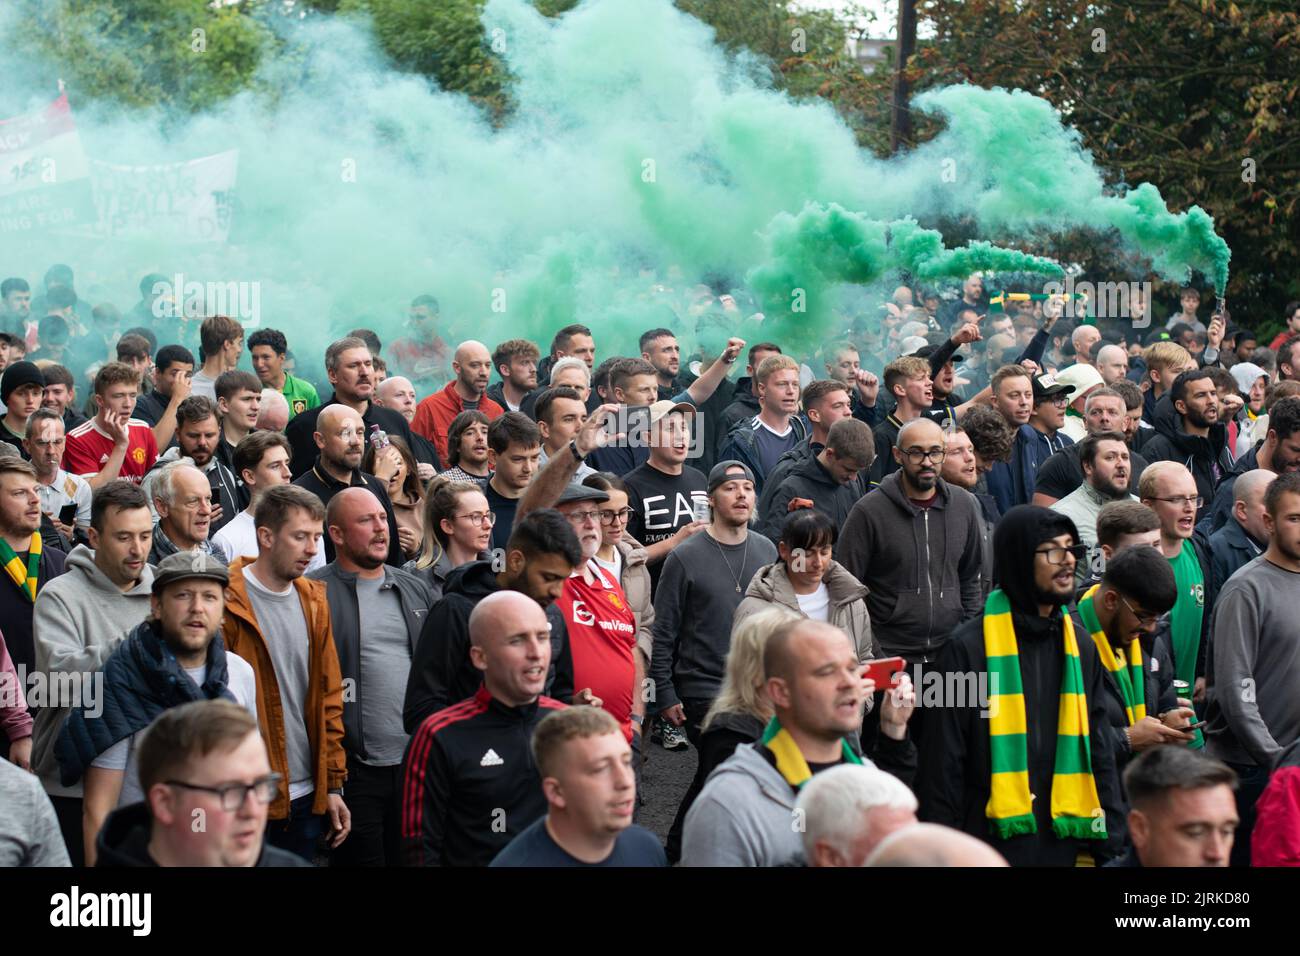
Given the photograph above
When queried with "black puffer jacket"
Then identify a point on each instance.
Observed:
(1208, 459)
(810, 479)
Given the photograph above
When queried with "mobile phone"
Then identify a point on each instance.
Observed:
(215, 498)
(884, 672)
(67, 513)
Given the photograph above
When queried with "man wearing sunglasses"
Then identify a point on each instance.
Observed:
(206, 761)
(172, 658)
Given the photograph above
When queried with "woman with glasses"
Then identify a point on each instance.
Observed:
(460, 530)
(623, 556)
(406, 492)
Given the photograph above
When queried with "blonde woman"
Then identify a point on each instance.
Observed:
(459, 527)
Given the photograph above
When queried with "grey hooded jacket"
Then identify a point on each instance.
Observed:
(848, 598)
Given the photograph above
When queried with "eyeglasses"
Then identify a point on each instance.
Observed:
(1056, 554)
(1060, 401)
(609, 517)
(1184, 500)
(478, 517)
(233, 795)
(582, 517)
(918, 455)
(1146, 620)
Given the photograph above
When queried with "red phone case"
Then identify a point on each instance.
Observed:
(883, 671)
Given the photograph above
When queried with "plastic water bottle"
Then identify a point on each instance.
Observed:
(378, 438)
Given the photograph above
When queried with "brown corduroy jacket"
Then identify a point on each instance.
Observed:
(324, 716)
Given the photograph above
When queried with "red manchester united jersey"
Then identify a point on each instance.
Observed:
(602, 640)
(88, 450)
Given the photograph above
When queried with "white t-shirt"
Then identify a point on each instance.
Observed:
(241, 683)
(615, 567)
(64, 490)
(238, 538)
(816, 605)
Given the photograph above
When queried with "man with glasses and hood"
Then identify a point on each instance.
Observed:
(1026, 766)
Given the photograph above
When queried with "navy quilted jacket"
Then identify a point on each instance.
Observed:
(141, 679)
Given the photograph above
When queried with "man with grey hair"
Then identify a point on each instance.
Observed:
(351, 370)
(273, 413)
(472, 366)
(182, 499)
(931, 844)
(846, 811)
(571, 371)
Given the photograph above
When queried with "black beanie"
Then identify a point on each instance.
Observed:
(18, 375)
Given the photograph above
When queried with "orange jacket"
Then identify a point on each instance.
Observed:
(324, 716)
(434, 415)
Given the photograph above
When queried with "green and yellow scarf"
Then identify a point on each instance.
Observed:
(789, 761)
(24, 577)
(1076, 808)
(1128, 674)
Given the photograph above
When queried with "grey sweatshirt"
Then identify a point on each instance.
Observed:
(1255, 712)
(695, 602)
(79, 620)
(29, 831)
(744, 816)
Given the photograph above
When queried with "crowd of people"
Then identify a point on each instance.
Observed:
(968, 585)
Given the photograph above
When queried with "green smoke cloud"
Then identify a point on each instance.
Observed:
(639, 154)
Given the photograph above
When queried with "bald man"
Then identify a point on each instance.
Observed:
(351, 370)
(472, 366)
(273, 412)
(1112, 362)
(1245, 536)
(375, 661)
(1085, 338)
(398, 394)
(469, 781)
(929, 844)
(340, 442)
(744, 814)
(917, 544)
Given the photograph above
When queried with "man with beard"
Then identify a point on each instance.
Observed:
(1188, 430)
(1279, 452)
(1104, 411)
(915, 543)
(351, 370)
(659, 347)
(375, 660)
(1255, 646)
(397, 392)
(468, 454)
(515, 360)
(341, 441)
(173, 658)
(539, 557)
(1120, 614)
(470, 784)
(1040, 730)
(472, 366)
(1105, 460)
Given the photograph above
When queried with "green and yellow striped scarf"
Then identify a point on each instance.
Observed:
(1076, 808)
(1128, 675)
(23, 576)
(789, 761)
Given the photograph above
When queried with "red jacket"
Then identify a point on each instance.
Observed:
(434, 415)
(1276, 837)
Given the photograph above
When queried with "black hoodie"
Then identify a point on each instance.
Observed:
(955, 774)
(441, 671)
(124, 841)
(1208, 459)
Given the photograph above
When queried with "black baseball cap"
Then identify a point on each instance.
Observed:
(1046, 386)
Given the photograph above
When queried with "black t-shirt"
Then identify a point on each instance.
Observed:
(504, 508)
(662, 504)
(635, 846)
